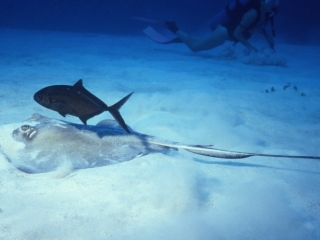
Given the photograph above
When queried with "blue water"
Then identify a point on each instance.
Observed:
(297, 21)
(216, 97)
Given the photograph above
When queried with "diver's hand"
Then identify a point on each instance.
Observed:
(269, 39)
(271, 45)
(171, 25)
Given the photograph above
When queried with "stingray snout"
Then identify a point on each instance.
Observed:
(26, 132)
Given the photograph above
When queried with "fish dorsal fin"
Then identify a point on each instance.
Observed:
(78, 84)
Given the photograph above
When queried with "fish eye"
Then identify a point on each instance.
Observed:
(25, 127)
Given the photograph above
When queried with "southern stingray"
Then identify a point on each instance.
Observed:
(42, 144)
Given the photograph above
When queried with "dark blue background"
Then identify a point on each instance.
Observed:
(297, 21)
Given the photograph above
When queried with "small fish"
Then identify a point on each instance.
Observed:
(77, 101)
(286, 86)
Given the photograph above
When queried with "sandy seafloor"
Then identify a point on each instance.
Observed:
(215, 97)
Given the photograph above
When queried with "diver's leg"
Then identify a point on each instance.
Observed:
(216, 38)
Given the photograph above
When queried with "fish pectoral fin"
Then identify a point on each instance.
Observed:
(62, 108)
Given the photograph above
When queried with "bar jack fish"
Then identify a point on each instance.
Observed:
(77, 101)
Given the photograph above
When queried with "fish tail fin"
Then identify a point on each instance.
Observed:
(114, 110)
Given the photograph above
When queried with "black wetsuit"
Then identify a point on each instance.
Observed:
(235, 16)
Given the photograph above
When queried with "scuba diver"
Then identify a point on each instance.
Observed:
(236, 22)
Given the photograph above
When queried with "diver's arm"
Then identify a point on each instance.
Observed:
(247, 19)
(268, 38)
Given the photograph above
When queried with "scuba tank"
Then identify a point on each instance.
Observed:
(233, 10)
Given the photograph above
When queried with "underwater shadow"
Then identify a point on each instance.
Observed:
(252, 165)
(179, 52)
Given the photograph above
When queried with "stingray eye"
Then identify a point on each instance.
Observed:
(32, 132)
(25, 127)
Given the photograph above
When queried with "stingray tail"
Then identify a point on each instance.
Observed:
(114, 110)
